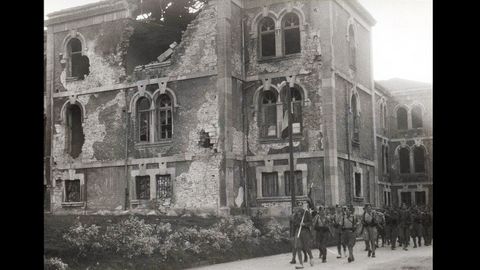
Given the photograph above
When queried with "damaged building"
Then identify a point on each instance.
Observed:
(139, 117)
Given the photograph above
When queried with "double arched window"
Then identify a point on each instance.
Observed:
(402, 118)
(289, 35)
(416, 115)
(418, 154)
(154, 124)
(269, 113)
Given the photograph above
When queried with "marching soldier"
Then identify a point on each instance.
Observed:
(369, 222)
(381, 226)
(348, 235)
(337, 224)
(405, 225)
(297, 214)
(417, 228)
(427, 226)
(320, 224)
(302, 222)
(391, 221)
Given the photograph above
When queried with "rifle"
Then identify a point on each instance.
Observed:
(301, 223)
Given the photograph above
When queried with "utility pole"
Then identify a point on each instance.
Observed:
(347, 117)
(290, 139)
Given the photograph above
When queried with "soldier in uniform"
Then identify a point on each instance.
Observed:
(392, 227)
(404, 226)
(322, 232)
(427, 226)
(417, 227)
(369, 222)
(337, 225)
(387, 228)
(302, 234)
(380, 226)
(348, 236)
(297, 215)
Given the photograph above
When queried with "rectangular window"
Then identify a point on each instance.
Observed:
(389, 199)
(292, 41)
(358, 185)
(298, 182)
(72, 190)
(143, 187)
(164, 125)
(269, 114)
(406, 198)
(297, 117)
(164, 186)
(144, 126)
(268, 44)
(420, 198)
(270, 184)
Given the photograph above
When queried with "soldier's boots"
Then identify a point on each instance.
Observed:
(373, 254)
(369, 253)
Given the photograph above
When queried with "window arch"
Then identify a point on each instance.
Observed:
(164, 125)
(387, 162)
(291, 34)
(74, 130)
(267, 37)
(404, 155)
(143, 113)
(402, 118)
(351, 46)
(384, 115)
(297, 105)
(268, 105)
(419, 159)
(79, 64)
(417, 121)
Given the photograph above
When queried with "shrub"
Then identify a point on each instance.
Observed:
(132, 237)
(54, 264)
(238, 229)
(275, 231)
(83, 239)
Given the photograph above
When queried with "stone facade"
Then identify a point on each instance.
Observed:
(213, 153)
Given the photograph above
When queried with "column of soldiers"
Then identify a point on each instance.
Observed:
(315, 227)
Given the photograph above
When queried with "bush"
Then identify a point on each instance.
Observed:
(54, 264)
(275, 231)
(132, 237)
(83, 239)
(238, 229)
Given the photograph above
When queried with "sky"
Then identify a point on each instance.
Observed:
(402, 38)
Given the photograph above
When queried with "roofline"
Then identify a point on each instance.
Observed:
(362, 11)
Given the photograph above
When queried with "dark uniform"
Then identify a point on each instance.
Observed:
(337, 225)
(427, 227)
(369, 223)
(391, 227)
(405, 226)
(381, 227)
(293, 234)
(322, 232)
(303, 240)
(417, 228)
(348, 235)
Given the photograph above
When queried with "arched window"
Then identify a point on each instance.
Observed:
(402, 118)
(143, 119)
(297, 104)
(351, 47)
(404, 154)
(384, 116)
(268, 113)
(355, 115)
(79, 65)
(417, 117)
(267, 37)
(75, 137)
(386, 160)
(419, 158)
(383, 159)
(163, 107)
(291, 34)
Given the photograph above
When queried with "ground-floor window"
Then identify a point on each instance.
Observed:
(386, 198)
(142, 187)
(298, 182)
(164, 186)
(358, 185)
(72, 190)
(420, 198)
(270, 184)
(406, 198)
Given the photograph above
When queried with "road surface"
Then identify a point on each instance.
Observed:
(386, 259)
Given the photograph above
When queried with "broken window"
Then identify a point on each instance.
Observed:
(267, 37)
(355, 114)
(417, 117)
(404, 154)
(75, 137)
(402, 118)
(270, 184)
(419, 158)
(298, 182)
(163, 108)
(143, 187)
(269, 114)
(358, 185)
(164, 186)
(143, 118)
(72, 190)
(297, 104)
(351, 47)
(205, 139)
(291, 34)
(79, 64)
